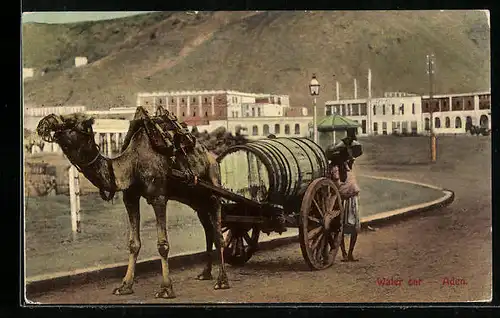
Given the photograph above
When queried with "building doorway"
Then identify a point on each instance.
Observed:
(484, 121)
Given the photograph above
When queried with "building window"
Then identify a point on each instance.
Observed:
(182, 114)
(160, 101)
(182, 100)
(427, 124)
(206, 100)
(447, 122)
(173, 101)
(383, 109)
(384, 128)
(258, 111)
(206, 114)
(458, 122)
(437, 122)
(253, 112)
(363, 126)
(297, 129)
(402, 109)
(266, 129)
(194, 100)
(404, 127)
(375, 128)
(194, 114)
(255, 130)
(277, 129)
(393, 109)
(413, 108)
(287, 129)
(374, 110)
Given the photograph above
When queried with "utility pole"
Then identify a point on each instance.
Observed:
(430, 72)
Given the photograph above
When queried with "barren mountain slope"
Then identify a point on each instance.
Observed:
(258, 52)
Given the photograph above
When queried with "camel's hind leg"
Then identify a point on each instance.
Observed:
(216, 220)
(160, 208)
(209, 237)
(131, 201)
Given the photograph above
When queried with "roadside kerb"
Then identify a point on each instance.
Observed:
(45, 283)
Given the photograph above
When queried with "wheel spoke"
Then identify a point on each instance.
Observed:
(333, 200)
(317, 207)
(311, 235)
(315, 220)
(315, 244)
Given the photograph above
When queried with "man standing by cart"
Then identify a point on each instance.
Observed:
(343, 176)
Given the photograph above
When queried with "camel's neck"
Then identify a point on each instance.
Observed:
(109, 174)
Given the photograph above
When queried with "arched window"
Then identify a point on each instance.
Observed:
(297, 129)
(266, 130)
(374, 110)
(437, 122)
(287, 129)
(255, 130)
(383, 109)
(393, 109)
(194, 114)
(458, 122)
(447, 122)
(277, 129)
(413, 108)
(206, 114)
(427, 124)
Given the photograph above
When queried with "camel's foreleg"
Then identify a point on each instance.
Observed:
(216, 220)
(131, 201)
(209, 237)
(160, 208)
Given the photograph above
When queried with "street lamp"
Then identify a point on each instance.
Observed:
(314, 90)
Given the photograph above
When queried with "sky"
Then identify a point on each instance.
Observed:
(77, 16)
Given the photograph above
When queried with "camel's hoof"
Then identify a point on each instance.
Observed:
(222, 285)
(123, 290)
(205, 276)
(165, 292)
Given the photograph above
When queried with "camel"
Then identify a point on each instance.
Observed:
(140, 171)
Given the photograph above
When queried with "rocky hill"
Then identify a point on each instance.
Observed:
(273, 52)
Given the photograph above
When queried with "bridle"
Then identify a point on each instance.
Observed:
(81, 166)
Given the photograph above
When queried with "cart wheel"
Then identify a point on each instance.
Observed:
(320, 223)
(240, 243)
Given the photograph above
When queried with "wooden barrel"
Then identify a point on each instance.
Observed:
(272, 170)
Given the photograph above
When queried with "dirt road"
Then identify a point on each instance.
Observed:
(447, 246)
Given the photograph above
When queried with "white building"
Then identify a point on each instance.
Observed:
(452, 112)
(80, 61)
(400, 112)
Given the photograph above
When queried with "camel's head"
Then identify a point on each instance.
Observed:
(72, 132)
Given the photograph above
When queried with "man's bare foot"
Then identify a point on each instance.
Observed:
(350, 258)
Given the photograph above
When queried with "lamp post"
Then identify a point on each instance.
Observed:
(430, 72)
(314, 90)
